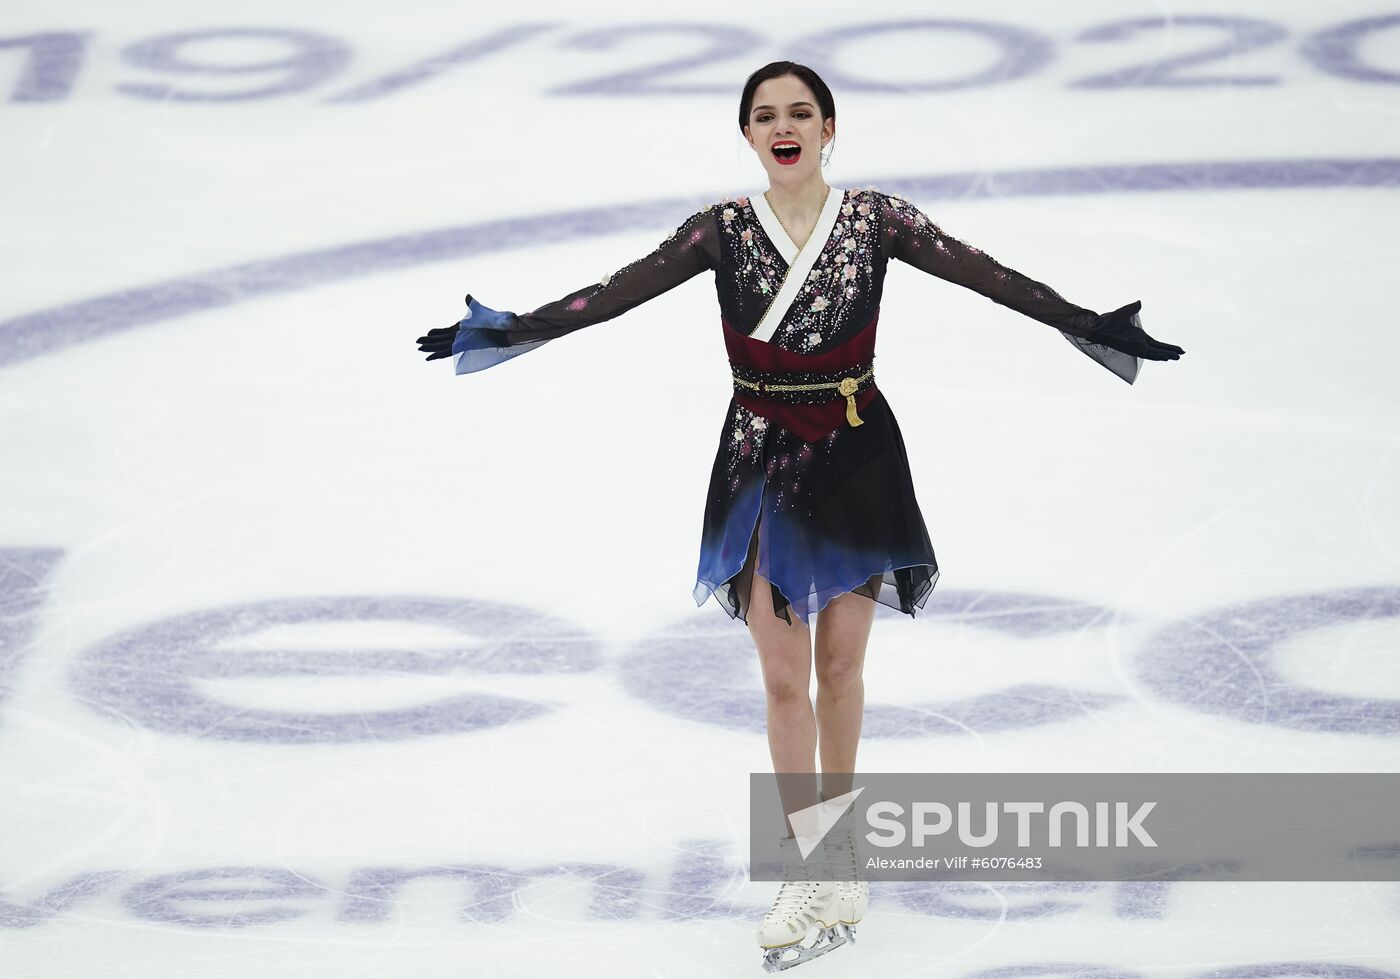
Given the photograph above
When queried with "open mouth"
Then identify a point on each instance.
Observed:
(786, 153)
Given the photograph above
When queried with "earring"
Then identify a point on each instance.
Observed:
(825, 154)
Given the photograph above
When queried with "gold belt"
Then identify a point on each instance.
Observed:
(846, 387)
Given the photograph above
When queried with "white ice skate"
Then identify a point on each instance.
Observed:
(852, 895)
(801, 906)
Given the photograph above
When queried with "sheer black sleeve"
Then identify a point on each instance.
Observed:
(911, 237)
(487, 337)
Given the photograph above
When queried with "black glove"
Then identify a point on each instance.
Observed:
(1122, 330)
(438, 343)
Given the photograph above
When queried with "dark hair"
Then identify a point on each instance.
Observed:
(778, 69)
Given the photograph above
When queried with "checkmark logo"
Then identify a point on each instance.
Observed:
(810, 825)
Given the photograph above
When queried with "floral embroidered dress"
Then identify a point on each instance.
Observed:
(819, 494)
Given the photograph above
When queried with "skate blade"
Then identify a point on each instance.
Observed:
(776, 959)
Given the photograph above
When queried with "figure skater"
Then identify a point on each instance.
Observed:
(810, 511)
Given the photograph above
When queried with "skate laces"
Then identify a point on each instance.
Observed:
(797, 890)
(794, 895)
(839, 850)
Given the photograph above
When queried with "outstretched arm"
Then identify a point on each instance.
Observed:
(486, 337)
(1115, 339)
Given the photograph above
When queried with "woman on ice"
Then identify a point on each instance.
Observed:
(811, 512)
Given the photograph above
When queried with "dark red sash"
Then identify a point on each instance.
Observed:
(808, 422)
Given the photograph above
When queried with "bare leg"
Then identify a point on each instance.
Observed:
(843, 631)
(785, 657)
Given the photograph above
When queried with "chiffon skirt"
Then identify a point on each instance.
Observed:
(817, 518)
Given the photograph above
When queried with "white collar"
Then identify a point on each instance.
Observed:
(800, 260)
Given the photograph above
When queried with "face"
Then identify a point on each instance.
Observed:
(785, 114)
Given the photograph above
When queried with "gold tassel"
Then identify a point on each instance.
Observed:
(848, 388)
